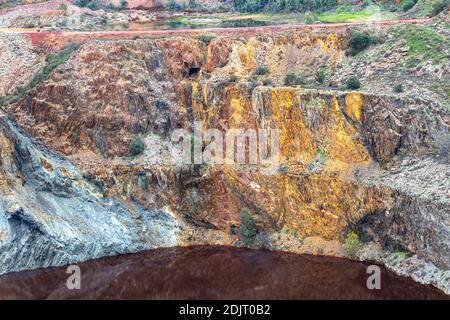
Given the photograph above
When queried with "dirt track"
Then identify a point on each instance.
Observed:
(217, 31)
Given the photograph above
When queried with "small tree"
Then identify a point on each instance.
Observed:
(260, 71)
(93, 5)
(294, 79)
(123, 4)
(320, 75)
(192, 4)
(408, 4)
(352, 244)
(289, 79)
(81, 3)
(353, 83)
(173, 5)
(63, 6)
(358, 42)
(399, 88)
(440, 6)
(137, 146)
(247, 228)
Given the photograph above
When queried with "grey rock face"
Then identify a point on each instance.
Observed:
(50, 216)
(402, 127)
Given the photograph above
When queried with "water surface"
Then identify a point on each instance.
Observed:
(213, 272)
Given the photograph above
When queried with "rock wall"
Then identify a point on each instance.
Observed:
(341, 154)
(49, 215)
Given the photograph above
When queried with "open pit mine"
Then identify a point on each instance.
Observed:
(90, 166)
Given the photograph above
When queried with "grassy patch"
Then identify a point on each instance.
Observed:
(424, 44)
(244, 23)
(261, 70)
(192, 22)
(401, 255)
(335, 17)
(52, 62)
(424, 7)
(352, 244)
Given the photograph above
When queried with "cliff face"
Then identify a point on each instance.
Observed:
(51, 216)
(349, 161)
(146, 84)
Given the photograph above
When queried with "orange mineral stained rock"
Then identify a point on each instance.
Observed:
(336, 148)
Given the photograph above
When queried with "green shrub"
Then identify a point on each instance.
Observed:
(358, 42)
(374, 39)
(81, 3)
(206, 39)
(93, 5)
(233, 78)
(399, 88)
(260, 71)
(408, 4)
(322, 155)
(401, 255)
(123, 4)
(137, 146)
(52, 62)
(243, 23)
(320, 75)
(193, 4)
(440, 6)
(353, 83)
(63, 6)
(290, 78)
(294, 79)
(173, 5)
(352, 244)
(247, 228)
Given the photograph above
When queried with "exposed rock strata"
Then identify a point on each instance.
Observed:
(49, 215)
(109, 92)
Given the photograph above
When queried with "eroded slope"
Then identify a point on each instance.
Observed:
(372, 163)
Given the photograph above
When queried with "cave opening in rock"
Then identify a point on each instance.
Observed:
(193, 72)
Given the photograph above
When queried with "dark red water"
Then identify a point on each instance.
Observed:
(213, 272)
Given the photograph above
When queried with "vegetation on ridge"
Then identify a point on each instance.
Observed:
(424, 44)
(282, 5)
(137, 146)
(52, 62)
(247, 229)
